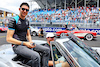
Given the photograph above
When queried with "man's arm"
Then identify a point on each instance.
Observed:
(10, 38)
(29, 36)
(64, 64)
(10, 32)
(50, 63)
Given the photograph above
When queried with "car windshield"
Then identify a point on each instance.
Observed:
(86, 48)
(33, 27)
(80, 56)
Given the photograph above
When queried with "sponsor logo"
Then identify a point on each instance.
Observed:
(26, 23)
(55, 29)
(19, 22)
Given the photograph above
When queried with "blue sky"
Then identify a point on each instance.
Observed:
(13, 5)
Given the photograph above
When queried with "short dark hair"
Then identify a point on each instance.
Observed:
(24, 3)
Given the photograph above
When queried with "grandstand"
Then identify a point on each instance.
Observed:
(66, 3)
(59, 14)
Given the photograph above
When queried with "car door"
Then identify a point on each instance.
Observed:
(62, 56)
(73, 54)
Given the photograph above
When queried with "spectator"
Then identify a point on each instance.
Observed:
(40, 32)
(97, 23)
(66, 25)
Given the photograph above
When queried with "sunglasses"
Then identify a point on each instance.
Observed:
(51, 37)
(25, 9)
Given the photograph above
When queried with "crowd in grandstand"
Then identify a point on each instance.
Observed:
(81, 15)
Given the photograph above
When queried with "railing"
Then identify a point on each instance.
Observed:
(60, 24)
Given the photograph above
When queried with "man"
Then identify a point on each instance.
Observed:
(40, 32)
(97, 23)
(58, 62)
(66, 25)
(19, 35)
(75, 27)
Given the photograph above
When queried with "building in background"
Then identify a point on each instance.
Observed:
(5, 14)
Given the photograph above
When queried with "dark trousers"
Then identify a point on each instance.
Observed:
(33, 54)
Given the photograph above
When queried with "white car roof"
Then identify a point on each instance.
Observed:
(62, 40)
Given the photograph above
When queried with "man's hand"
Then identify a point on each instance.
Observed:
(29, 45)
(61, 61)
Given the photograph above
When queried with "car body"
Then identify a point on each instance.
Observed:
(71, 48)
(88, 35)
(7, 54)
(3, 29)
(34, 31)
(76, 53)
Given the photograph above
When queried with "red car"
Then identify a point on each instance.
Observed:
(3, 28)
(88, 35)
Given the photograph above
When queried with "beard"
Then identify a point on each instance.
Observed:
(23, 15)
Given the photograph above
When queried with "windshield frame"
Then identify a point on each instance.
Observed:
(78, 49)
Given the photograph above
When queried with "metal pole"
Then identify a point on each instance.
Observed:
(46, 11)
(85, 3)
(84, 9)
(75, 3)
(65, 4)
(97, 3)
(64, 11)
(30, 4)
(55, 5)
(46, 5)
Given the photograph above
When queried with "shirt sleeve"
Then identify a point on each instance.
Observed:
(12, 24)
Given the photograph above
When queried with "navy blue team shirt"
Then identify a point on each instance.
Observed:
(20, 26)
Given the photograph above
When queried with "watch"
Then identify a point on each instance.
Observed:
(22, 43)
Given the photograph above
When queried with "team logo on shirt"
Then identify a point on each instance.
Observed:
(19, 22)
(26, 23)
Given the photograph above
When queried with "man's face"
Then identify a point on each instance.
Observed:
(24, 10)
(50, 38)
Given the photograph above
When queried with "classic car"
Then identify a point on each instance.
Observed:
(3, 28)
(71, 48)
(88, 35)
(33, 31)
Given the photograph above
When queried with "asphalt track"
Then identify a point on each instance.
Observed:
(93, 43)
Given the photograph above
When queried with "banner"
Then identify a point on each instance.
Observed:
(55, 29)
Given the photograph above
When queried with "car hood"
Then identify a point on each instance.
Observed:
(35, 29)
(63, 31)
(6, 63)
(84, 31)
(39, 41)
(78, 31)
(4, 28)
(6, 55)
